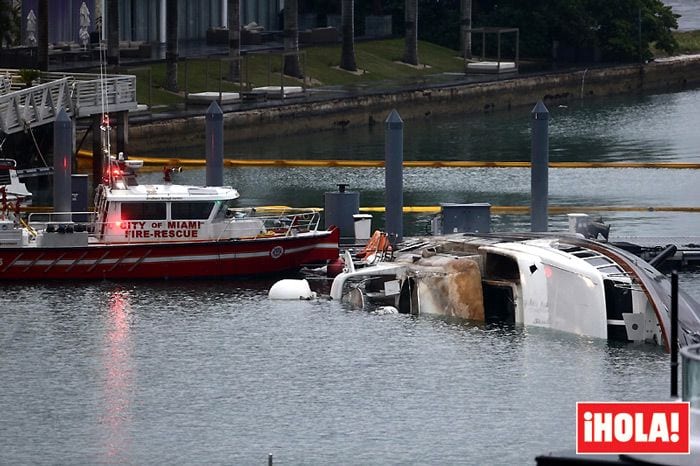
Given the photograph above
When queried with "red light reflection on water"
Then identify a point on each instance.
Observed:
(118, 383)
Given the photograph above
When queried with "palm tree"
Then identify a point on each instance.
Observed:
(466, 24)
(291, 39)
(113, 32)
(43, 35)
(411, 48)
(347, 57)
(234, 38)
(171, 46)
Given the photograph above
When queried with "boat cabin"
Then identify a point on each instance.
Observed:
(165, 213)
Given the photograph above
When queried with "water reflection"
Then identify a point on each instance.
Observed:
(118, 385)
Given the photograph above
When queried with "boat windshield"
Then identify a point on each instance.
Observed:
(223, 207)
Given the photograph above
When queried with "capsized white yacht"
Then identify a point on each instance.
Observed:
(558, 281)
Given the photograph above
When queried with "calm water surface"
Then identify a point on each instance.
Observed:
(214, 373)
(689, 11)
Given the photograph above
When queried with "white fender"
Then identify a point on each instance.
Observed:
(291, 289)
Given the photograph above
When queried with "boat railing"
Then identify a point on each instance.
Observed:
(275, 221)
(78, 221)
(691, 374)
(280, 221)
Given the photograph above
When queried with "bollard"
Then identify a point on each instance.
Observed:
(62, 164)
(339, 208)
(393, 187)
(215, 145)
(269, 459)
(539, 181)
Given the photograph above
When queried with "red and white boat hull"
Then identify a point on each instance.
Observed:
(228, 258)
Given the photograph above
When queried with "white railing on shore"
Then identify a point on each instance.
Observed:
(80, 94)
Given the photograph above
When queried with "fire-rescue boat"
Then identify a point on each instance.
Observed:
(157, 231)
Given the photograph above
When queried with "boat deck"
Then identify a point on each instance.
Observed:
(686, 255)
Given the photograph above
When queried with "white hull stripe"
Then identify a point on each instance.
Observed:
(178, 258)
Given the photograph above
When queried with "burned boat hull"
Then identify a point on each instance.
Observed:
(563, 282)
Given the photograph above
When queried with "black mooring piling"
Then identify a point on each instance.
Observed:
(215, 145)
(674, 334)
(393, 178)
(62, 162)
(539, 173)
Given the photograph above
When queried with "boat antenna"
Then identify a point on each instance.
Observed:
(104, 109)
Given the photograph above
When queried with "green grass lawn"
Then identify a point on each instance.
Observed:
(689, 41)
(377, 60)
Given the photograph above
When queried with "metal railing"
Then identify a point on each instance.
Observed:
(287, 221)
(274, 222)
(34, 106)
(80, 94)
(283, 222)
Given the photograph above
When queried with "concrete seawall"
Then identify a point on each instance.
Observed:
(291, 118)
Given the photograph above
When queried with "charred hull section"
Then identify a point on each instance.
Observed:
(556, 281)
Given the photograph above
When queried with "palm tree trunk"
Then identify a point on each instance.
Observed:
(291, 39)
(113, 33)
(347, 57)
(171, 53)
(466, 24)
(411, 48)
(43, 36)
(234, 38)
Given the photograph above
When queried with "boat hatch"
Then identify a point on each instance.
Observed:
(499, 302)
(195, 191)
(501, 275)
(618, 301)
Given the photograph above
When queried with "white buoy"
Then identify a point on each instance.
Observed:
(385, 310)
(291, 289)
